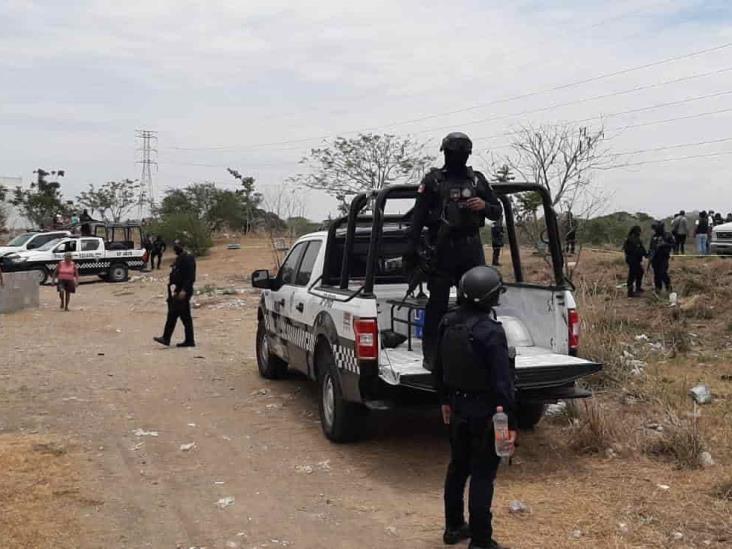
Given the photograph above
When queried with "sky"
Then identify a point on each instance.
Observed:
(255, 85)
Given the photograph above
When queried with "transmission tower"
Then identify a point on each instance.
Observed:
(149, 151)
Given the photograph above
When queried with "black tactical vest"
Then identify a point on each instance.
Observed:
(463, 369)
(454, 193)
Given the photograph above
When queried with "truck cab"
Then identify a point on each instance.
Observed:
(336, 311)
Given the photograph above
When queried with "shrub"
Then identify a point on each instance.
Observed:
(595, 431)
(682, 441)
(188, 228)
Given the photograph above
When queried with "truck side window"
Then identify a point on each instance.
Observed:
(308, 261)
(89, 245)
(289, 267)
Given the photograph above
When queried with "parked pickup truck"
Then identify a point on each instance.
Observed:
(93, 255)
(721, 242)
(326, 310)
(31, 241)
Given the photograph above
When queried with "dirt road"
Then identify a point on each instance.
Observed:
(94, 417)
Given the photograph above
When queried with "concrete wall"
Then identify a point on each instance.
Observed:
(20, 292)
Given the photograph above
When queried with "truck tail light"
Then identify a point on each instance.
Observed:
(573, 323)
(367, 338)
(145, 256)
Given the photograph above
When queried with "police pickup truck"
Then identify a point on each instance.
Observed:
(93, 255)
(336, 312)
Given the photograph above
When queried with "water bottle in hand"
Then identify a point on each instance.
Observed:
(504, 448)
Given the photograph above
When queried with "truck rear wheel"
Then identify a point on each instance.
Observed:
(341, 421)
(529, 414)
(270, 365)
(117, 273)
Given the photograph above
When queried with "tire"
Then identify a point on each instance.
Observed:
(341, 421)
(40, 274)
(529, 414)
(102, 276)
(270, 365)
(117, 273)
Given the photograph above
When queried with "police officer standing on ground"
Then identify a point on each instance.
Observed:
(452, 202)
(158, 248)
(182, 277)
(659, 253)
(473, 377)
(497, 242)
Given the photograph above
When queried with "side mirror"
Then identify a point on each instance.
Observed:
(262, 279)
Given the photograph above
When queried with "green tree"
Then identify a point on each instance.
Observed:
(42, 201)
(348, 166)
(3, 213)
(191, 230)
(112, 200)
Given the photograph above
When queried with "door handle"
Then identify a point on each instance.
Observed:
(300, 307)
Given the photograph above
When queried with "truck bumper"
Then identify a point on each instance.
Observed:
(721, 248)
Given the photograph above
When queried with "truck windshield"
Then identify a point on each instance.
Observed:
(48, 245)
(20, 239)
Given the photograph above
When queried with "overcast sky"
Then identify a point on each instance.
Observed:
(254, 84)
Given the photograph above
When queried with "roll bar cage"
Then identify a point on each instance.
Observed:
(378, 218)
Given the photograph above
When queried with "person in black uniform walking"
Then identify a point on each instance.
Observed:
(473, 377)
(182, 277)
(635, 252)
(158, 248)
(659, 252)
(497, 242)
(452, 202)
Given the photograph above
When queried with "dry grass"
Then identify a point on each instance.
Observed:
(595, 431)
(37, 481)
(682, 441)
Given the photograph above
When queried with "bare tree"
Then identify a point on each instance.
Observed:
(562, 159)
(347, 166)
(283, 205)
(114, 199)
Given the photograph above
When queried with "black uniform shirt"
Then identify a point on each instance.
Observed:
(491, 345)
(183, 273)
(429, 201)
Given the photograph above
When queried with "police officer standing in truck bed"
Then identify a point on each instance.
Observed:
(452, 202)
(473, 377)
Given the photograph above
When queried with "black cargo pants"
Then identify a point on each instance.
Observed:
(472, 454)
(454, 257)
(179, 308)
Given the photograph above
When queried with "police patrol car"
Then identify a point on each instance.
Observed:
(92, 254)
(336, 312)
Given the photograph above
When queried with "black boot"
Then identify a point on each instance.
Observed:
(456, 535)
(162, 341)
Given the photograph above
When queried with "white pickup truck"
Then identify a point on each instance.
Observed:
(721, 242)
(326, 311)
(93, 256)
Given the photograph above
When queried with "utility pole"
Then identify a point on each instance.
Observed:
(148, 157)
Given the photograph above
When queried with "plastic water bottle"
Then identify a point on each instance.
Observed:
(500, 428)
(419, 323)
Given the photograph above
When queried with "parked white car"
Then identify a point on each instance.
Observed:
(31, 241)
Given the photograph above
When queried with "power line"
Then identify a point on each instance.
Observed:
(576, 83)
(663, 160)
(583, 100)
(679, 146)
(632, 111)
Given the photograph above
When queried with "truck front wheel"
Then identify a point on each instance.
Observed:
(529, 414)
(270, 366)
(341, 421)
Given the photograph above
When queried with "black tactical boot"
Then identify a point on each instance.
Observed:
(456, 535)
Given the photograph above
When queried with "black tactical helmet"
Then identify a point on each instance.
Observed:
(481, 286)
(457, 141)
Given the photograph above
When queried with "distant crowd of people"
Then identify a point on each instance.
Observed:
(663, 244)
(702, 230)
